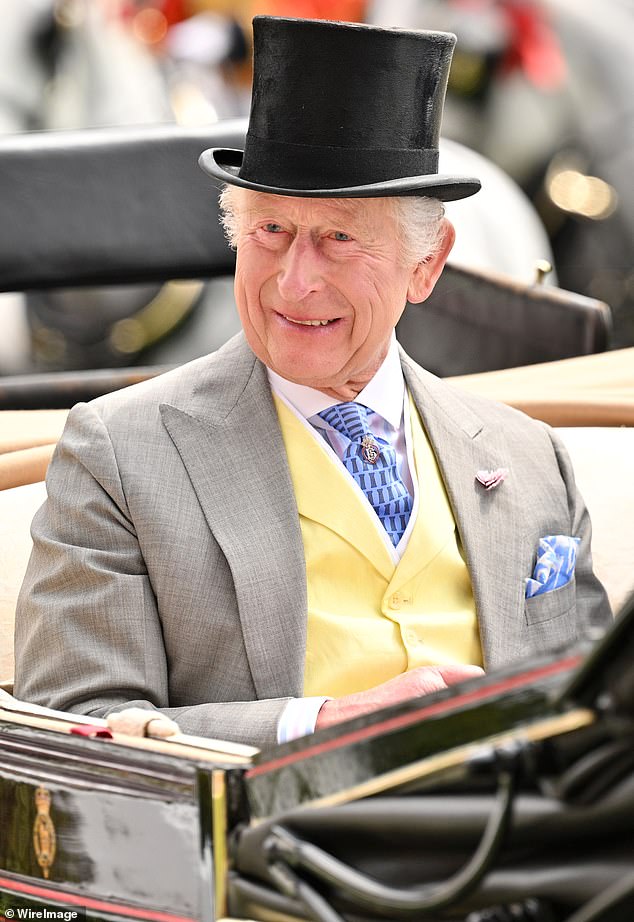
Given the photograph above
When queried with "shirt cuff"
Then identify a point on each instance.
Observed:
(298, 718)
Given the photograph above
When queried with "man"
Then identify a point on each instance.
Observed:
(305, 525)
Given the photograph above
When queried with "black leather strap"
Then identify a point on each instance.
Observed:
(110, 206)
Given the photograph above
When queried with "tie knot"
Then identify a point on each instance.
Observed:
(351, 419)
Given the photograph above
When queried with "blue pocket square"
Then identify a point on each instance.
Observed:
(556, 558)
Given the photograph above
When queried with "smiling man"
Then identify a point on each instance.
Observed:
(306, 526)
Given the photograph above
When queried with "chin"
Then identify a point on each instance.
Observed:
(302, 371)
(308, 380)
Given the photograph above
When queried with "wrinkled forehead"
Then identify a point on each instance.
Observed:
(359, 213)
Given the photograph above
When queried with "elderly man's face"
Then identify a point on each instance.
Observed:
(319, 286)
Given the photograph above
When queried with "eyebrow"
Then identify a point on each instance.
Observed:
(342, 211)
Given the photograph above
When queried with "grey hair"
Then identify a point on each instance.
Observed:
(420, 224)
(418, 219)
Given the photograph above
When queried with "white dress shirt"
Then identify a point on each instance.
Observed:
(385, 394)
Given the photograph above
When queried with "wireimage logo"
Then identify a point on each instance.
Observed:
(29, 914)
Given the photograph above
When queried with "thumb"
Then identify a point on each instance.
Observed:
(455, 672)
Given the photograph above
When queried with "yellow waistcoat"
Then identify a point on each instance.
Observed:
(370, 619)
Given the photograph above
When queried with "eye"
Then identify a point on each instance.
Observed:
(272, 228)
(340, 235)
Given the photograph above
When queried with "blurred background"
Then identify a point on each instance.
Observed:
(543, 89)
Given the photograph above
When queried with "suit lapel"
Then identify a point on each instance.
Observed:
(229, 441)
(489, 522)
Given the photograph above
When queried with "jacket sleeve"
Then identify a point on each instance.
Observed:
(88, 635)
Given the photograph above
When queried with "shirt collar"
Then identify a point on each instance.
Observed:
(383, 393)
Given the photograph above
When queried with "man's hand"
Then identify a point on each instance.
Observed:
(412, 684)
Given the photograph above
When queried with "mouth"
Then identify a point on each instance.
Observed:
(310, 323)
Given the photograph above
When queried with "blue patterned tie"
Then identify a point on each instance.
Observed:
(372, 463)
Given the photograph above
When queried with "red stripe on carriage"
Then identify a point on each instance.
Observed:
(85, 902)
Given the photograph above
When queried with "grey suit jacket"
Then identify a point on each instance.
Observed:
(168, 568)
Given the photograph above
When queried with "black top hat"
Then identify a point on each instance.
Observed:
(343, 110)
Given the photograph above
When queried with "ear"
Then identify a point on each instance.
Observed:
(427, 272)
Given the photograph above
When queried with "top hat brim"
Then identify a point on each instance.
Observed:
(224, 164)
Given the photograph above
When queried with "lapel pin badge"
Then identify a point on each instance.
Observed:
(491, 479)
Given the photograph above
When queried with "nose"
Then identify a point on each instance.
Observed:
(300, 272)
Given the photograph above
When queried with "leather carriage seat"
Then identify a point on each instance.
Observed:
(17, 507)
(110, 206)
